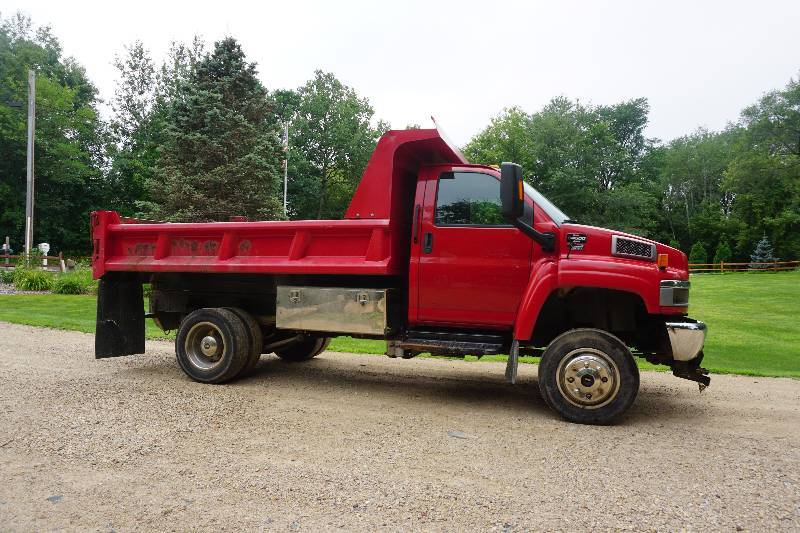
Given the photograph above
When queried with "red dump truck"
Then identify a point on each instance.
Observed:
(434, 255)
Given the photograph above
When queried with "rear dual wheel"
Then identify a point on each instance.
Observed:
(306, 349)
(215, 345)
(588, 376)
(212, 345)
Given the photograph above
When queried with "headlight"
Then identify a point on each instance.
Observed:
(674, 293)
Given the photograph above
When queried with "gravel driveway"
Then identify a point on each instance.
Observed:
(367, 442)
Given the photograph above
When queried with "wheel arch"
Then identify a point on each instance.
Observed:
(549, 311)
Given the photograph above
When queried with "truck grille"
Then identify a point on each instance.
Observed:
(625, 247)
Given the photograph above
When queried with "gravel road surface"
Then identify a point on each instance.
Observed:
(367, 442)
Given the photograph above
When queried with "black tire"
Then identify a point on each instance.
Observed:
(254, 335)
(224, 338)
(588, 376)
(304, 350)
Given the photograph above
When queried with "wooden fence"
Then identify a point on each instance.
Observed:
(54, 262)
(742, 267)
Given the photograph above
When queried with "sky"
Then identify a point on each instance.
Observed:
(698, 63)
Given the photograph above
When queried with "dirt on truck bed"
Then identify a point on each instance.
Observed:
(359, 441)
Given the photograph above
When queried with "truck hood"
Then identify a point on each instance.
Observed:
(598, 243)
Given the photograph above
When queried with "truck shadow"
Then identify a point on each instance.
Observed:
(450, 386)
(447, 385)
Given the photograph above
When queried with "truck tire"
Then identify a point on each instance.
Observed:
(212, 345)
(304, 350)
(254, 335)
(588, 376)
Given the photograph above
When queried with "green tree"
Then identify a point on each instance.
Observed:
(723, 253)
(695, 204)
(698, 254)
(222, 153)
(765, 172)
(132, 150)
(69, 147)
(586, 159)
(331, 140)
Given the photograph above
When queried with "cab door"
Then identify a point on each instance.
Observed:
(472, 266)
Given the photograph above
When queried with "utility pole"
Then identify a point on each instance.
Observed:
(285, 166)
(29, 195)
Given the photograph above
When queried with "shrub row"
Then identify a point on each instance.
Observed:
(78, 281)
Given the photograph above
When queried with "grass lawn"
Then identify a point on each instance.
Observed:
(751, 317)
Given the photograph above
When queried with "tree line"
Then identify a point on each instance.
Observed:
(199, 137)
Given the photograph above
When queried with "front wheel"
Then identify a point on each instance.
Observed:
(588, 376)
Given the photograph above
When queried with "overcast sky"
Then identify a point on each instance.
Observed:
(698, 63)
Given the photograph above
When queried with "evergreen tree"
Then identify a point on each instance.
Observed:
(723, 253)
(222, 154)
(698, 254)
(762, 254)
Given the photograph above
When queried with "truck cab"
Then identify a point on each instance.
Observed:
(434, 255)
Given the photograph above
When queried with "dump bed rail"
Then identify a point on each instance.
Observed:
(279, 247)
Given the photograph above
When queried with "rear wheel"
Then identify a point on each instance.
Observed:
(304, 350)
(588, 376)
(255, 337)
(212, 345)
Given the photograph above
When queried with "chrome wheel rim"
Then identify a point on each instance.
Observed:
(204, 346)
(588, 378)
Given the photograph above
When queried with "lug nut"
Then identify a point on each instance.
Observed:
(604, 379)
(588, 396)
(570, 379)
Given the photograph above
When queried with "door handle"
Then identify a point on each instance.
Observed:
(427, 242)
(415, 223)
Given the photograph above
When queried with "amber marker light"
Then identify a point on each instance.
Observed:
(662, 261)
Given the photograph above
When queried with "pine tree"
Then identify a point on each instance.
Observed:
(222, 154)
(762, 254)
(698, 254)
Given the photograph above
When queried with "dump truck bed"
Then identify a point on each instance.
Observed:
(358, 247)
(372, 240)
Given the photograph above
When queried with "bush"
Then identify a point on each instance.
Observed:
(32, 280)
(6, 275)
(675, 244)
(723, 253)
(76, 282)
(698, 254)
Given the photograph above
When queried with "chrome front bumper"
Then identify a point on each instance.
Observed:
(686, 339)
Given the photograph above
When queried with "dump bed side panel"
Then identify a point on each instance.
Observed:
(301, 247)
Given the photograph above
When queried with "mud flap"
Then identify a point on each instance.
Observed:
(513, 362)
(120, 318)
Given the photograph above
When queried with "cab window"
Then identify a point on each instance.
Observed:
(468, 198)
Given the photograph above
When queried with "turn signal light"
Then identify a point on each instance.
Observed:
(519, 191)
(662, 261)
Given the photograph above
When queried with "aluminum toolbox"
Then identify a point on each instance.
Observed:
(333, 309)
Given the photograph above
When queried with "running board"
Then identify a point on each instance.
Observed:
(451, 347)
(449, 343)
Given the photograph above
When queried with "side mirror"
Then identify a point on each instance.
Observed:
(512, 197)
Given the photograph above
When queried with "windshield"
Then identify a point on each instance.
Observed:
(556, 214)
